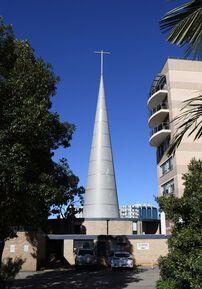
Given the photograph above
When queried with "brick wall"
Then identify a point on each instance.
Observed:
(29, 247)
(95, 227)
(68, 252)
(110, 227)
(145, 251)
(120, 227)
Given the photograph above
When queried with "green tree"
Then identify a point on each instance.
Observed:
(183, 26)
(30, 181)
(70, 198)
(182, 268)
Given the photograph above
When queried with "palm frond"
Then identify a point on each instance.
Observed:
(189, 122)
(183, 26)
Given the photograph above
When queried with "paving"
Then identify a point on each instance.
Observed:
(143, 278)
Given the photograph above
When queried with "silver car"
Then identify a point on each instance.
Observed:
(121, 259)
(85, 257)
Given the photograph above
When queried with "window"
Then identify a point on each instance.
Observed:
(162, 149)
(26, 248)
(12, 248)
(168, 188)
(83, 244)
(167, 166)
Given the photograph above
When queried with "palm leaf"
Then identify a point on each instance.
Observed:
(188, 122)
(183, 26)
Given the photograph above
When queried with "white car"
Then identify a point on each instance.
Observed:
(85, 257)
(121, 259)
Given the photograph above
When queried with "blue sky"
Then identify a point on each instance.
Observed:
(65, 33)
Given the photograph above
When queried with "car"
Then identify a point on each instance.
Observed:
(85, 257)
(121, 259)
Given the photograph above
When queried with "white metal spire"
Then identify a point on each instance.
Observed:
(101, 199)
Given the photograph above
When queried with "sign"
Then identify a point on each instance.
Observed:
(142, 246)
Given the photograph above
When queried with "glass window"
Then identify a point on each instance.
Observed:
(26, 248)
(83, 252)
(83, 244)
(12, 248)
(167, 166)
(163, 148)
(168, 188)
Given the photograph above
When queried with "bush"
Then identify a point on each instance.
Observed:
(181, 268)
(166, 268)
(166, 284)
(9, 270)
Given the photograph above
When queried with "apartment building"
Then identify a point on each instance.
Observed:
(139, 211)
(178, 81)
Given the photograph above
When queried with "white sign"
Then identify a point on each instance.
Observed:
(26, 248)
(142, 246)
(12, 248)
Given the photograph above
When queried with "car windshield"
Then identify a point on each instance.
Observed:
(122, 254)
(85, 252)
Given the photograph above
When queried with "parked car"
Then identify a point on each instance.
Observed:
(121, 259)
(85, 257)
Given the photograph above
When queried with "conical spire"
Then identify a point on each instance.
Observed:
(101, 199)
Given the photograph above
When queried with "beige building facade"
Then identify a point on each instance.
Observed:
(146, 250)
(179, 80)
(36, 250)
(28, 247)
(108, 227)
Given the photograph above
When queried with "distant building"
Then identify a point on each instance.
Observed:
(139, 211)
(129, 211)
(135, 211)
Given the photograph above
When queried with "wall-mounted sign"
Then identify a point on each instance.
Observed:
(142, 246)
(12, 248)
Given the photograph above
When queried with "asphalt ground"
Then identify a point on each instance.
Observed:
(142, 278)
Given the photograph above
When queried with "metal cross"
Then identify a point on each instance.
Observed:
(101, 54)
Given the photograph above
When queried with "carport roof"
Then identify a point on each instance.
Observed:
(96, 237)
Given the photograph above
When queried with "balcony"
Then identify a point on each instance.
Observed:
(159, 134)
(156, 98)
(158, 114)
(158, 91)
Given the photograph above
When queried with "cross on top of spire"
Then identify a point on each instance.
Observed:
(101, 58)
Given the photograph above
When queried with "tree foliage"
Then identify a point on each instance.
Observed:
(188, 122)
(69, 199)
(182, 268)
(183, 26)
(30, 181)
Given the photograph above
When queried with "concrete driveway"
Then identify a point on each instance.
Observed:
(143, 278)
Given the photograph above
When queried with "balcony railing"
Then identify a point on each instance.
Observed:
(159, 83)
(162, 105)
(164, 125)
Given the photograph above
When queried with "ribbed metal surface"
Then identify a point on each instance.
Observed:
(101, 199)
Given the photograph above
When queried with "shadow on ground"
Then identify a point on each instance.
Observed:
(76, 279)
